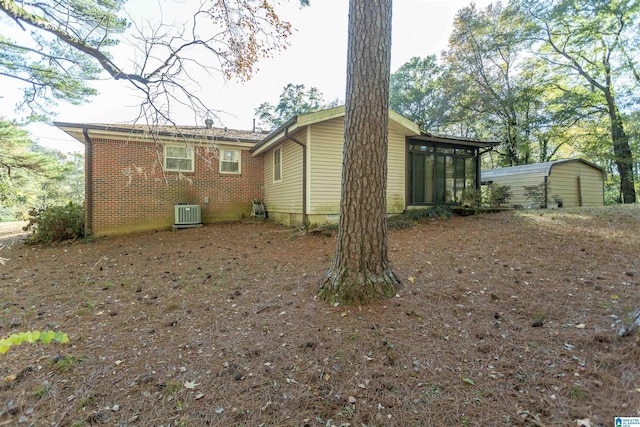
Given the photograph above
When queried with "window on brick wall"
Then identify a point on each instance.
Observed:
(229, 161)
(277, 164)
(178, 158)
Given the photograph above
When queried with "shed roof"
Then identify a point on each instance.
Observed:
(544, 168)
(143, 131)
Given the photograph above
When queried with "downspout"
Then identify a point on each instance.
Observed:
(88, 183)
(304, 174)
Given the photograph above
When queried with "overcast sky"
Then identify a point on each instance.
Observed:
(316, 57)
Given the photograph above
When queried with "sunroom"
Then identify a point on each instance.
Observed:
(440, 168)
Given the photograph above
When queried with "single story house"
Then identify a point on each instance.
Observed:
(576, 182)
(303, 167)
(135, 178)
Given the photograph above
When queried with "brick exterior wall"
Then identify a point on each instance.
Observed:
(132, 193)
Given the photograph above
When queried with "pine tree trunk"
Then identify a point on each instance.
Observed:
(622, 152)
(361, 273)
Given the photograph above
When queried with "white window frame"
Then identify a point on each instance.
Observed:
(222, 160)
(188, 155)
(277, 167)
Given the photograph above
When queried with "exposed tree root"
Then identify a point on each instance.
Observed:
(361, 288)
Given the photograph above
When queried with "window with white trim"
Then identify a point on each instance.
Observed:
(178, 158)
(229, 161)
(277, 164)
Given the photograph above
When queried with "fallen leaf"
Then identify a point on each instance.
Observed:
(580, 326)
(199, 396)
(583, 423)
(469, 381)
(412, 279)
(190, 384)
(352, 399)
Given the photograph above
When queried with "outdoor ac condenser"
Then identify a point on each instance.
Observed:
(187, 215)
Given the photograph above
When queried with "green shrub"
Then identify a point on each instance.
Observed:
(438, 211)
(536, 193)
(499, 195)
(470, 198)
(398, 222)
(55, 224)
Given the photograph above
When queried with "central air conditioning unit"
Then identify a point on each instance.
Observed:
(187, 216)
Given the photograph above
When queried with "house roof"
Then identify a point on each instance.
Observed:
(545, 168)
(459, 140)
(396, 121)
(164, 133)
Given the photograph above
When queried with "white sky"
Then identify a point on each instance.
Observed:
(316, 57)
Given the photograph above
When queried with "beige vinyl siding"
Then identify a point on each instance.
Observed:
(285, 196)
(517, 182)
(577, 184)
(325, 154)
(325, 166)
(396, 177)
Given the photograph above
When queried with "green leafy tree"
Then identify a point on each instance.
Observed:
(361, 272)
(491, 86)
(35, 176)
(17, 157)
(294, 101)
(55, 49)
(596, 42)
(417, 92)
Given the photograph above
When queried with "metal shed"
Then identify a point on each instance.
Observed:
(576, 182)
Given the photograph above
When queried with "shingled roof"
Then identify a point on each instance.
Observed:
(141, 130)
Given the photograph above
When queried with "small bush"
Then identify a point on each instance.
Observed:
(56, 224)
(470, 198)
(438, 211)
(499, 195)
(536, 193)
(398, 222)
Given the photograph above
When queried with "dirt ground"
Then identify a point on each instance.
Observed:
(503, 319)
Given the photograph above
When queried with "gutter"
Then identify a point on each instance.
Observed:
(88, 183)
(304, 170)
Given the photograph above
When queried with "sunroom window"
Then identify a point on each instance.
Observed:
(439, 174)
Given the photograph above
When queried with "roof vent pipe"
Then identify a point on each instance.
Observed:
(208, 123)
